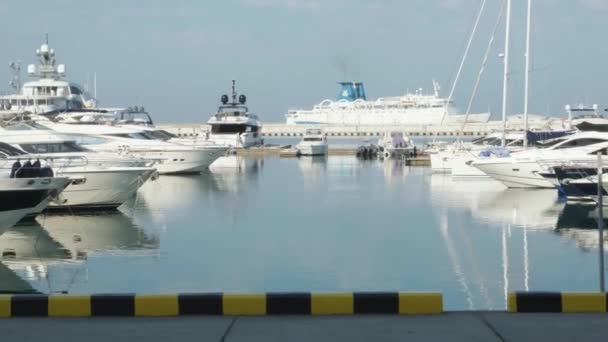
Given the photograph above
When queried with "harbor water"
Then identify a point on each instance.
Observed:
(313, 224)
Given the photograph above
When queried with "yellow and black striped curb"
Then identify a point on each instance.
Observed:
(557, 302)
(220, 304)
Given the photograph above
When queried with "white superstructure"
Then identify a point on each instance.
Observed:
(353, 108)
(48, 91)
(233, 125)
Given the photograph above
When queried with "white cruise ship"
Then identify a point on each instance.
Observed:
(353, 108)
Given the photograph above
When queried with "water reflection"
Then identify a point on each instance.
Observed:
(579, 222)
(29, 250)
(313, 168)
(83, 235)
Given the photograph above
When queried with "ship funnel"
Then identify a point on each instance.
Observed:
(352, 91)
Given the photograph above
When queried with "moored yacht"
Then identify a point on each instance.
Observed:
(171, 158)
(526, 168)
(95, 182)
(314, 143)
(233, 125)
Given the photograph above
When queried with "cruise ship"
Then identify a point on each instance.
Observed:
(353, 108)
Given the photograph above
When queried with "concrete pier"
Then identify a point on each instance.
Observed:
(453, 326)
(278, 130)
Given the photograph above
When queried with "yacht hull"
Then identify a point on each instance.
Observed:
(20, 197)
(312, 150)
(515, 174)
(101, 188)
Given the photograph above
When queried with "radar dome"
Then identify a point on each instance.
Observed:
(61, 68)
(224, 99)
(31, 69)
(242, 99)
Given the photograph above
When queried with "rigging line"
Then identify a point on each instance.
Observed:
(465, 55)
(484, 63)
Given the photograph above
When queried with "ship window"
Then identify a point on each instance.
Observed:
(313, 139)
(580, 143)
(232, 128)
(52, 148)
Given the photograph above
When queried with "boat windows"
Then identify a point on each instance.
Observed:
(52, 148)
(602, 150)
(313, 139)
(232, 128)
(161, 135)
(579, 143)
(138, 135)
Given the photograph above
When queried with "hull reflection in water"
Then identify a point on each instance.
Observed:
(111, 232)
(579, 222)
(29, 251)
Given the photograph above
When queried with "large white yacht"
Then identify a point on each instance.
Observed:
(97, 180)
(171, 158)
(48, 91)
(353, 108)
(19, 197)
(525, 169)
(233, 125)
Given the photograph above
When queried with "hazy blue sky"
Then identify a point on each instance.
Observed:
(177, 57)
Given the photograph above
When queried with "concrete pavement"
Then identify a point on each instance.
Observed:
(452, 326)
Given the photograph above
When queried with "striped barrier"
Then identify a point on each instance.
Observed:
(557, 302)
(220, 304)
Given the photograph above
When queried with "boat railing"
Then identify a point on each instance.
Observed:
(57, 163)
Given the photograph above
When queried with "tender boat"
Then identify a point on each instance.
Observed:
(396, 144)
(233, 125)
(314, 143)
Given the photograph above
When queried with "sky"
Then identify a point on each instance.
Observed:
(177, 57)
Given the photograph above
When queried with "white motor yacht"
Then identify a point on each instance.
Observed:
(233, 125)
(96, 182)
(314, 143)
(171, 158)
(20, 197)
(525, 169)
(48, 91)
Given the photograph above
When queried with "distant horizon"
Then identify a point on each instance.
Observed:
(177, 59)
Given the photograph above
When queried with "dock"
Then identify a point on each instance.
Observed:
(282, 130)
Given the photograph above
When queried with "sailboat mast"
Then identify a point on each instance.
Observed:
(505, 84)
(527, 73)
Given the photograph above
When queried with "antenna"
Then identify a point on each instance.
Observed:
(233, 91)
(47, 38)
(15, 82)
(95, 84)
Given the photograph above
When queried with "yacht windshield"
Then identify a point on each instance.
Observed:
(232, 128)
(8, 150)
(579, 143)
(161, 134)
(138, 135)
(65, 147)
(313, 139)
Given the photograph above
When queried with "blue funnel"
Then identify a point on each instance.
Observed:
(351, 91)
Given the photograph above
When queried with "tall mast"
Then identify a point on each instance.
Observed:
(505, 84)
(527, 75)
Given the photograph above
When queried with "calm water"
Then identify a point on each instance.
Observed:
(334, 224)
